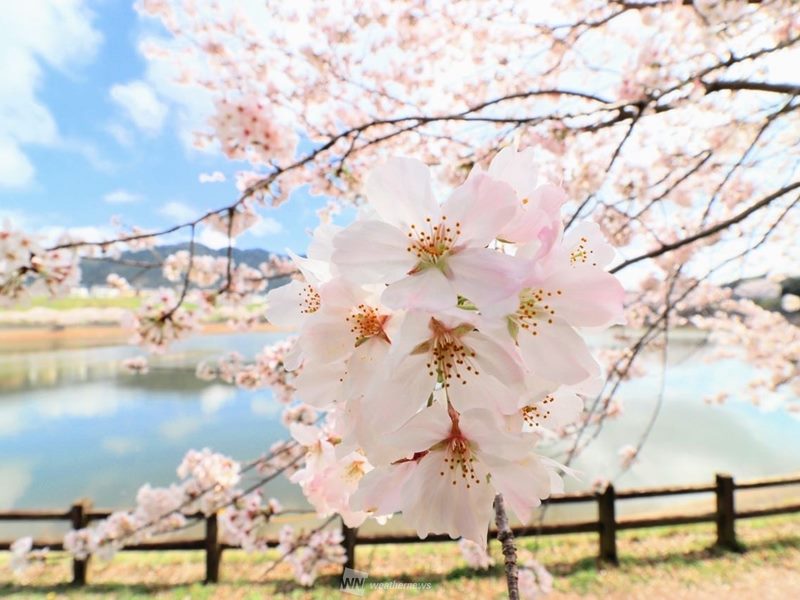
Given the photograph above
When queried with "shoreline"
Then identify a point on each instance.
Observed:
(104, 332)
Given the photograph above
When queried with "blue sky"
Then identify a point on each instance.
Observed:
(88, 134)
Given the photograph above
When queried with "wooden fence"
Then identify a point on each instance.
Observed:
(606, 525)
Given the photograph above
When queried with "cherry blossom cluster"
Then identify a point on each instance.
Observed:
(766, 340)
(23, 555)
(361, 82)
(444, 341)
(209, 484)
(118, 283)
(205, 270)
(248, 129)
(307, 553)
(27, 268)
(267, 371)
(162, 320)
(241, 524)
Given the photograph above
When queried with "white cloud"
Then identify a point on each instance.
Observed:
(51, 234)
(140, 103)
(214, 397)
(120, 133)
(180, 427)
(215, 177)
(192, 105)
(121, 197)
(120, 445)
(266, 226)
(89, 152)
(178, 211)
(213, 238)
(265, 407)
(15, 168)
(57, 33)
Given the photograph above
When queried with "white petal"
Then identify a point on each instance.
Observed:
(368, 361)
(306, 435)
(427, 290)
(390, 405)
(382, 491)
(414, 329)
(482, 391)
(515, 168)
(498, 359)
(286, 304)
(557, 353)
(486, 431)
(372, 252)
(522, 492)
(590, 297)
(294, 357)
(481, 206)
(314, 271)
(328, 338)
(486, 277)
(602, 252)
(320, 384)
(400, 192)
(321, 246)
(446, 508)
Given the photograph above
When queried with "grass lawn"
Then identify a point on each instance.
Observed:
(674, 563)
(70, 303)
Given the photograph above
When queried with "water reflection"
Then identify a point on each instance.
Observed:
(83, 428)
(73, 425)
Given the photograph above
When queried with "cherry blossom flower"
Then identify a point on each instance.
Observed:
(427, 253)
(475, 369)
(538, 213)
(534, 580)
(446, 470)
(476, 556)
(137, 364)
(23, 555)
(627, 455)
(288, 305)
(328, 480)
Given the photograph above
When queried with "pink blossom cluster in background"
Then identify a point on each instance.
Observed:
(209, 483)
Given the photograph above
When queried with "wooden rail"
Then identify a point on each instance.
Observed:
(606, 525)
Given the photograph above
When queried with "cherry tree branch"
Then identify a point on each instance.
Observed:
(506, 537)
(721, 226)
(759, 86)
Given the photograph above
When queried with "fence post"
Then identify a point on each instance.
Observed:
(608, 525)
(726, 513)
(79, 518)
(350, 536)
(213, 549)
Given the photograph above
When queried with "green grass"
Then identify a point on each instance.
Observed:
(70, 303)
(653, 563)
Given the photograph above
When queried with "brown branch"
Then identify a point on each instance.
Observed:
(721, 226)
(506, 537)
(759, 86)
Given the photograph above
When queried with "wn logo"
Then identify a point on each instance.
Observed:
(353, 582)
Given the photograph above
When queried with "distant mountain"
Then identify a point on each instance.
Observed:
(94, 272)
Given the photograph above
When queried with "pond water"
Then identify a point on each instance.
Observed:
(74, 424)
